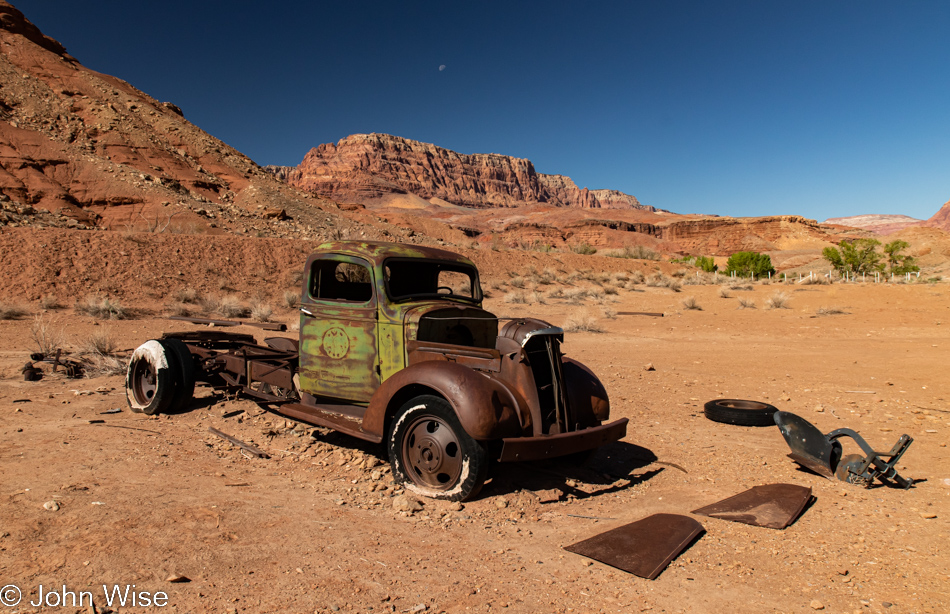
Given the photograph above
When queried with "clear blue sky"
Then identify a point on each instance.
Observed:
(818, 108)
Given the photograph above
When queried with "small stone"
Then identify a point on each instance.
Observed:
(177, 579)
(842, 572)
(501, 503)
(456, 507)
(928, 515)
(819, 408)
(886, 604)
(816, 605)
(649, 367)
(402, 503)
(375, 475)
(52, 506)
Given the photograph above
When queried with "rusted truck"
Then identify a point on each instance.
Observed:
(395, 348)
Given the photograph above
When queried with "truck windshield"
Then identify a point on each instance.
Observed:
(412, 278)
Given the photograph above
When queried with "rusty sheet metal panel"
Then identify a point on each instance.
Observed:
(480, 359)
(550, 446)
(643, 548)
(775, 506)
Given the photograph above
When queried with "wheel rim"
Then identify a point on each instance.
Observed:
(432, 453)
(144, 382)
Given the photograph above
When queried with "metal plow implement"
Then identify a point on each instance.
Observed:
(822, 453)
(643, 548)
(775, 506)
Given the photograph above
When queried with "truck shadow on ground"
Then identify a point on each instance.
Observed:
(615, 467)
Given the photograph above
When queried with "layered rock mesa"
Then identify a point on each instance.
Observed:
(368, 167)
(96, 152)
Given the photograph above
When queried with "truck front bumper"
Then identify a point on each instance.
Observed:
(551, 446)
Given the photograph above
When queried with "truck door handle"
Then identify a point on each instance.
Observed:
(304, 311)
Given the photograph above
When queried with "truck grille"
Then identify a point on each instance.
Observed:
(544, 356)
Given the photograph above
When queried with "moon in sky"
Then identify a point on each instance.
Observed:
(441, 67)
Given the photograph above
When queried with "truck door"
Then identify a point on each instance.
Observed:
(338, 329)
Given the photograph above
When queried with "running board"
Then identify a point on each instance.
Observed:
(344, 418)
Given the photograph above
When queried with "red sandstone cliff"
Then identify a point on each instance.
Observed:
(363, 167)
(83, 149)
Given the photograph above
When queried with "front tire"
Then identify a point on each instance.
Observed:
(432, 455)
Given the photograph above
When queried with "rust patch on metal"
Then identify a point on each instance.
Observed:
(775, 506)
(643, 548)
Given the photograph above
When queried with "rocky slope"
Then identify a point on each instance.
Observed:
(940, 219)
(368, 167)
(86, 150)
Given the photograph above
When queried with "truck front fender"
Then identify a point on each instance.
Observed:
(587, 394)
(486, 407)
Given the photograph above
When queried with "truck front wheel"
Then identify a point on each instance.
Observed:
(160, 378)
(432, 455)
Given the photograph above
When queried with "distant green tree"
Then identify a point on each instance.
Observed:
(706, 263)
(745, 264)
(898, 263)
(856, 257)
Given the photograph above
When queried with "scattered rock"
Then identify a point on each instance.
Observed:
(819, 408)
(402, 503)
(816, 605)
(52, 506)
(177, 579)
(501, 503)
(928, 515)
(649, 367)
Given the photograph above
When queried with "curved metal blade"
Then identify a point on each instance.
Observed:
(810, 447)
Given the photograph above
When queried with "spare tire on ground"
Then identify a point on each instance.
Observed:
(740, 412)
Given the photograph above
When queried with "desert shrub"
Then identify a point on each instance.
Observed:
(517, 282)
(635, 252)
(101, 342)
(724, 292)
(181, 309)
(582, 322)
(675, 285)
(745, 303)
(106, 365)
(11, 312)
(261, 312)
(584, 249)
(610, 290)
(49, 301)
(291, 299)
(575, 295)
(47, 334)
(779, 300)
(679, 273)
(547, 277)
(706, 264)
(636, 277)
(537, 297)
(745, 264)
(186, 295)
(609, 313)
(658, 280)
(103, 308)
(830, 311)
(737, 285)
(690, 303)
(556, 293)
(516, 298)
(230, 306)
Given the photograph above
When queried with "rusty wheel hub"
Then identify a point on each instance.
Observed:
(144, 381)
(432, 453)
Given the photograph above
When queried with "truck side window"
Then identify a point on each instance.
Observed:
(335, 280)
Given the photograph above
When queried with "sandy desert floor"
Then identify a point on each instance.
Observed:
(314, 528)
